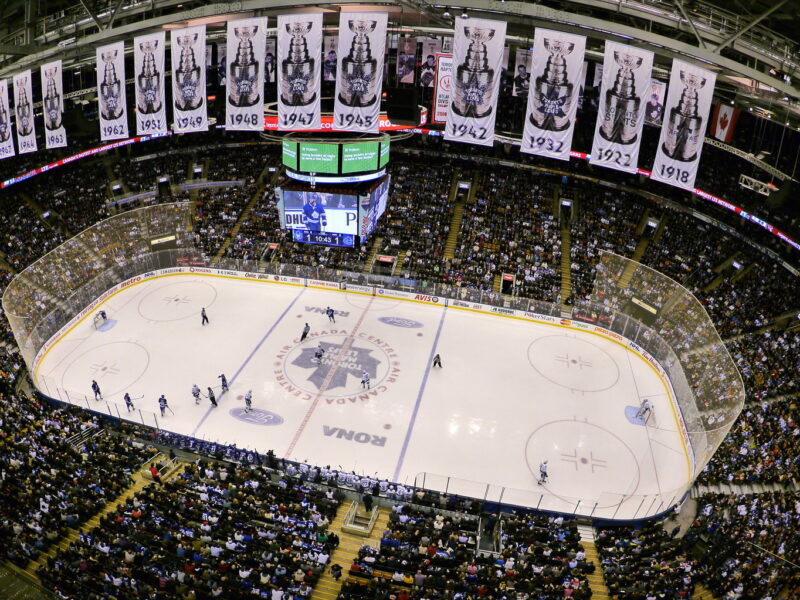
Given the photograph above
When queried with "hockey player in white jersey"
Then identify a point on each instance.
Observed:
(196, 394)
(365, 380)
(248, 401)
(318, 354)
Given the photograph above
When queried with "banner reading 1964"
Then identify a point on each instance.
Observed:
(111, 91)
(299, 71)
(553, 95)
(245, 74)
(148, 66)
(189, 57)
(23, 107)
(477, 69)
(359, 79)
(55, 136)
(620, 116)
(6, 139)
(689, 97)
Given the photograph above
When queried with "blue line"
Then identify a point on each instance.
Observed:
(419, 399)
(249, 357)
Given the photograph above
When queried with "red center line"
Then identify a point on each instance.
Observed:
(328, 378)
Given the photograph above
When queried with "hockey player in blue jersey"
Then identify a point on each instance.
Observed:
(224, 382)
(314, 214)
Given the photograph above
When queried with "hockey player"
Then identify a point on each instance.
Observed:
(224, 382)
(304, 335)
(365, 380)
(162, 404)
(329, 312)
(212, 397)
(96, 389)
(437, 361)
(248, 401)
(318, 354)
(103, 315)
(128, 401)
(542, 472)
(644, 410)
(203, 316)
(196, 393)
(314, 214)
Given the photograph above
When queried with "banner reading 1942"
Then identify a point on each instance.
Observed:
(244, 100)
(553, 96)
(6, 139)
(189, 62)
(111, 91)
(299, 71)
(477, 70)
(148, 66)
(23, 107)
(55, 136)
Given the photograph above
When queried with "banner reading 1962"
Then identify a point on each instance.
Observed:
(553, 95)
(148, 66)
(246, 49)
(299, 71)
(111, 91)
(189, 57)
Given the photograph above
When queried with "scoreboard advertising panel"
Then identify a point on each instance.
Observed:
(336, 157)
(359, 156)
(319, 158)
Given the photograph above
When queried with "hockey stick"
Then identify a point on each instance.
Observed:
(170, 410)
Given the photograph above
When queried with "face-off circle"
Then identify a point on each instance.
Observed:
(177, 300)
(115, 366)
(573, 363)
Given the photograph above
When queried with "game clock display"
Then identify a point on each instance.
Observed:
(326, 238)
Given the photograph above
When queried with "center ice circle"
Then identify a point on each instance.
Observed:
(578, 451)
(178, 300)
(115, 366)
(573, 363)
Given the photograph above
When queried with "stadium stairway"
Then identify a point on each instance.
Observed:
(702, 593)
(327, 588)
(373, 252)
(739, 489)
(638, 253)
(566, 271)
(596, 582)
(458, 214)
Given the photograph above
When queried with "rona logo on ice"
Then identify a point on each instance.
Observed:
(361, 437)
(352, 361)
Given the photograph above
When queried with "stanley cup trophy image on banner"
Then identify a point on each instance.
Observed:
(620, 116)
(553, 96)
(189, 79)
(359, 79)
(299, 71)
(689, 97)
(55, 136)
(26, 134)
(6, 140)
(477, 65)
(148, 65)
(111, 92)
(245, 71)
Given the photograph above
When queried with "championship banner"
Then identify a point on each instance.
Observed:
(406, 59)
(723, 122)
(620, 115)
(654, 110)
(300, 76)
(148, 65)
(427, 72)
(6, 140)
(598, 74)
(691, 89)
(244, 100)
(55, 136)
(222, 64)
(522, 73)
(477, 69)
(270, 63)
(330, 45)
(553, 98)
(111, 92)
(189, 107)
(443, 88)
(362, 45)
(23, 107)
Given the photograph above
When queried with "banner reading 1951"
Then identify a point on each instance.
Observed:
(244, 96)
(148, 66)
(299, 71)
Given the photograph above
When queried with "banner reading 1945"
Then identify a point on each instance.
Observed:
(246, 49)
(299, 71)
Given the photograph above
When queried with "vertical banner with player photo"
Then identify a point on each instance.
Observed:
(427, 71)
(443, 88)
(691, 89)
(244, 100)
(300, 71)
(330, 46)
(23, 107)
(55, 136)
(111, 92)
(406, 59)
(654, 109)
(148, 67)
(553, 98)
(522, 73)
(189, 106)
(620, 115)
(477, 70)
(362, 45)
(222, 64)
(271, 62)
(6, 139)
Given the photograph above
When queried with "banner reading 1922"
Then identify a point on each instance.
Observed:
(477, 69)
(244, 100)
(299, 71)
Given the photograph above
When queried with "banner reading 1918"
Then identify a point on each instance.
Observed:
(359, 79)
(148, 68)
(111, 91)
(620, 115)
(55, 136)
(244, 99)
(691, 89)
(477, 70)
(23, 107)
(299, 71)
(553, 96)
(189, 57)
(6, 139)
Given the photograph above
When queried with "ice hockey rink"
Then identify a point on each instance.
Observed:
(511, 393)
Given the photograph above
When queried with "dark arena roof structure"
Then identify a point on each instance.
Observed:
(482, 299)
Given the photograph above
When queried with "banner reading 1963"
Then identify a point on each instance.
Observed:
(148, 67)
(691, 89)
(23, 107)
(55, 136)
(111, 91)
(189, 57)
(359, 79)
(246, 49)
(620, 116)
(299, 71)
(553, 95)
(6, 139)
(477, 69)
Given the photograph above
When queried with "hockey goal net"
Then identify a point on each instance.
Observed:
(100, 318)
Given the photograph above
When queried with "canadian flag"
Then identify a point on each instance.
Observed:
(724, 122)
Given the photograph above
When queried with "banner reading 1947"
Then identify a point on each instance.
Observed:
(299, 71)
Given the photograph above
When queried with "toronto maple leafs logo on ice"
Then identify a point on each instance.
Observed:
(350, 361)
(552, 103)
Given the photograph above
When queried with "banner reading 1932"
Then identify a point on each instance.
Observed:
(477, 69)
(553, 95)
(148, 67)
(299, 71)
(189, 106)
(359, 78)
(246, 48)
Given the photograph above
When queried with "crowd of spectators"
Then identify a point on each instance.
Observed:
(143, 175)
(217, 211)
